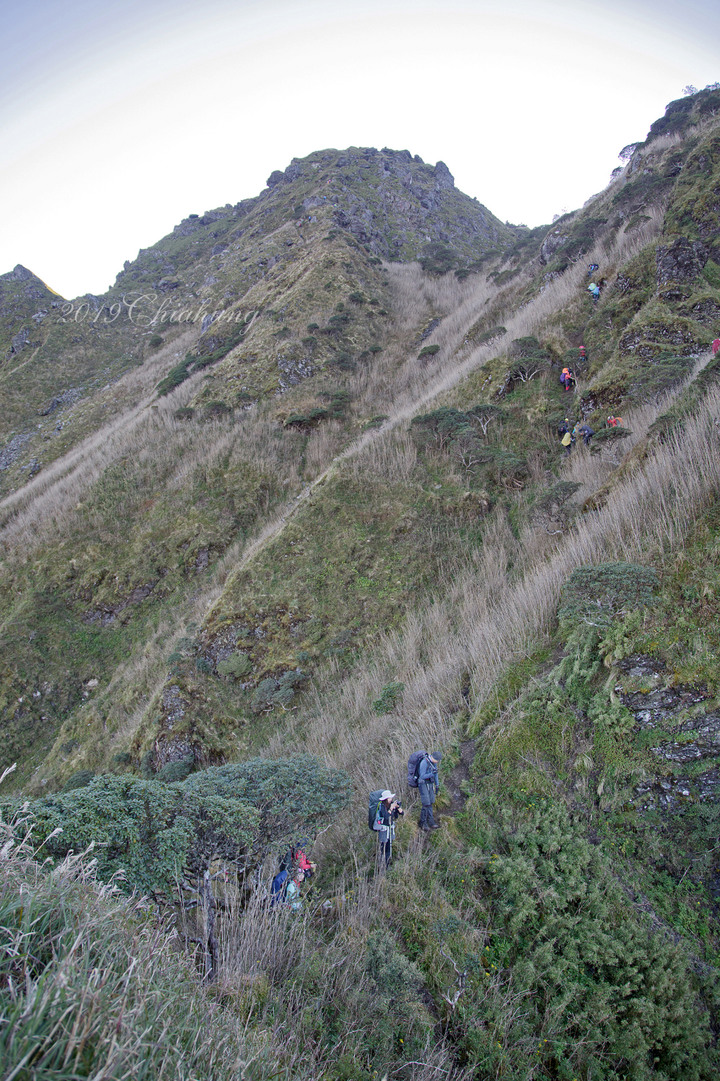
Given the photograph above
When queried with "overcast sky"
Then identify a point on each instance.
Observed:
(119, 118)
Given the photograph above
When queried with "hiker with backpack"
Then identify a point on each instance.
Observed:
(423, 775)
(567, 378)
(292, 861)
(300, 859)
(383, 811)
(587, 433)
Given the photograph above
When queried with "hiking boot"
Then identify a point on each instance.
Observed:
(435, 826)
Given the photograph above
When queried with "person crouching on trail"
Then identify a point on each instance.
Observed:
(388, 811)
(428, 786)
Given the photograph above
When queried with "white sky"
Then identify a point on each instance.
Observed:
(117, 121)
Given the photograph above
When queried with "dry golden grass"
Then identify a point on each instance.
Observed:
(485, 617)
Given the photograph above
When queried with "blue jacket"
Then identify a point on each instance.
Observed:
(428, 773)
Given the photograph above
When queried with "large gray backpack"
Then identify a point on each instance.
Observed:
(414, 767)
(373, 807)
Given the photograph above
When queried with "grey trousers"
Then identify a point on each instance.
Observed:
(427, 798)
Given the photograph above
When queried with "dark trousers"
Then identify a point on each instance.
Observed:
(427, 798)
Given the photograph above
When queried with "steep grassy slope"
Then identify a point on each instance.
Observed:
(354, 532)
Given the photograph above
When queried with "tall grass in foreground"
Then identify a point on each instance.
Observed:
(92, 987)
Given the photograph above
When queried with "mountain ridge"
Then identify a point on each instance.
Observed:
(339, 522)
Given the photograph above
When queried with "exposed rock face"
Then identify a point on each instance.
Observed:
(19, 341)
(682, 261)
(648, 340)
(168, 747)
(682, 740)
(551, 244)
(13, 450)
(706, 312)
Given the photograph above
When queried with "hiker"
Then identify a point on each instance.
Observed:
(716, 346)
(428, 786)
(386, 814)
(592, 267)
(292, 892)
(582, 356)
(594, 289)
(567, 441)
(563, 428)
(567, 378)
(301, 860)
(587, 433)
(613, 422)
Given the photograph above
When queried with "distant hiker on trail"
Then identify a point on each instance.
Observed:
(563, 428)
(587, 433)
(592, 267)
(582, 355)
(613, 422)
(594, 290)
(567, 441)
(567, 378)
(386, 811)
(716, 346)
(428, 786)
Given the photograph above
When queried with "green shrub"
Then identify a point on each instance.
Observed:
(596, 594)
(78, 780)
(175, 376)
(155, 341)
(172, 772)
(428, 351)
(344, 361)
(237, 666)
(272, 692)
(604, 997)
(437, 258)
(389, 698)
(296, 420)
(155, 832)
(217, 409)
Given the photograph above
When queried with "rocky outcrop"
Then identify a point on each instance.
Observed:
(686, 736)
(552, 243)
(681, 261)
